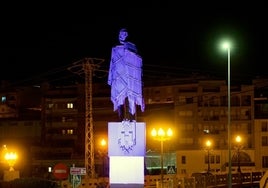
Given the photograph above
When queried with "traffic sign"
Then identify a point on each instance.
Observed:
(78, 171)
(60, 171)
(171, 170)
(76, 180)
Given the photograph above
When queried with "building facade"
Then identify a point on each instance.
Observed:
(196, 112)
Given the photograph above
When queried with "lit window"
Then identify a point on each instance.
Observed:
(70, 105)
(70, 131)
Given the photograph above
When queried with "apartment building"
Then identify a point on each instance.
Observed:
(195, 110)
(199, 112)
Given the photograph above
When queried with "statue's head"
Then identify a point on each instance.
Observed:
(123, 35)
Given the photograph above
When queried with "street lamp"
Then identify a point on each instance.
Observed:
(11, 158)
(226, 45)
(103, 151)
(238, 140)
(208, 144)
(162, 136)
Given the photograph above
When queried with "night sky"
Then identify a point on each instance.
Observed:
(173, 41)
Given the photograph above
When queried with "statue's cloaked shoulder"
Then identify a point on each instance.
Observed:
(131, 47)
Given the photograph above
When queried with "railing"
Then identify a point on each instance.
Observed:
(246, 179)
(216, 180)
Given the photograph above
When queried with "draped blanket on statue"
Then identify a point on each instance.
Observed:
(125, 76)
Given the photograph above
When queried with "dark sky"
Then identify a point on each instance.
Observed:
(173, 40)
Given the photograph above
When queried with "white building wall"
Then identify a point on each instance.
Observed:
(195, 161)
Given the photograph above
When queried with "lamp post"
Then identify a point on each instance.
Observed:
(208, 144)
(226, 45)
(238, 140)
(103, 144)
(162, 136)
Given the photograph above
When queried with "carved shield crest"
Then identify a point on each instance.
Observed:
(127, 136)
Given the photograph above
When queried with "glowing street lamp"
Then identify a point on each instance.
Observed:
(162, 136)
(103, 144)
(11, 158)
(227, 45)
(208, 147)
(238, 140)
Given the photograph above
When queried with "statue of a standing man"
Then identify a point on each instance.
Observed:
(125, 78)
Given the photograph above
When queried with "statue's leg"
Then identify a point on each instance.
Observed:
(125, 111)
(120, 111)
(132, 117)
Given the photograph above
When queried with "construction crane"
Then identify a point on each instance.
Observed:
(87, 66)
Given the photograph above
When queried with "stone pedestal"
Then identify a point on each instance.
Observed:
(127, 149)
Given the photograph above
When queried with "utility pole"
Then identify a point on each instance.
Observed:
(88, 66)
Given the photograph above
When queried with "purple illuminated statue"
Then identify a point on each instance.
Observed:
(125, 78)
